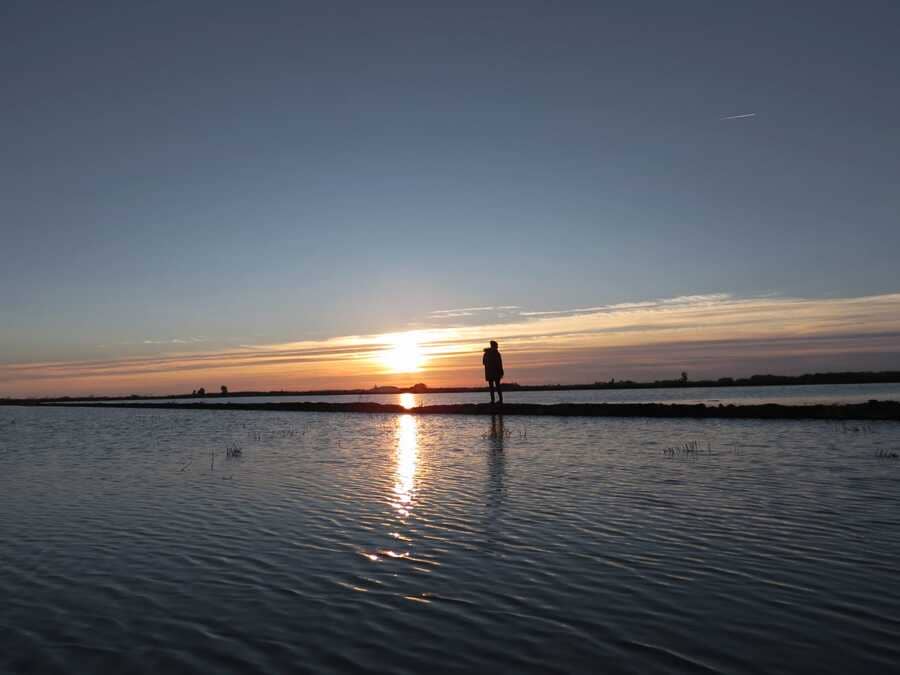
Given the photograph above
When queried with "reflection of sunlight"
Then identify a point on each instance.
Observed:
(407, 454)
(408, 400)
(404, 356)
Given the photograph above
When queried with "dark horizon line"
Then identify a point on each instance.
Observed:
(838, 377)
(873, 410)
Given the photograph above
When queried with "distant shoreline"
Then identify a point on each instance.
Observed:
(871, 411)
(868, 377)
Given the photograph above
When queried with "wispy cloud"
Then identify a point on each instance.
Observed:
(461, 309)
(175, 341)
(738, 117)
(442, 314)
(467, 311)
(450, 315)
(629, 306)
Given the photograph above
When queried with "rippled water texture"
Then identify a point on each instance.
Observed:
(131, 543)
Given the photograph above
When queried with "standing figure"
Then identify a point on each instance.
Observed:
(493, 369)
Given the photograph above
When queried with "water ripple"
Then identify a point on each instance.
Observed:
(131, 542)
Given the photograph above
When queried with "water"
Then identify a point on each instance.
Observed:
(399, 544)
(788, 395)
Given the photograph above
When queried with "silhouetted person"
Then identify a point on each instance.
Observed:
(493, 369)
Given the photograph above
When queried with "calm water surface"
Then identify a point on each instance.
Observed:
(370, 543)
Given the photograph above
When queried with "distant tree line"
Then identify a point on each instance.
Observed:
(760, 380)
(202, 391)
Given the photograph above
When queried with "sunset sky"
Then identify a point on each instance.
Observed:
(302, 195)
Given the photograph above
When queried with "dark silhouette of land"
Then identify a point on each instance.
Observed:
(873, 410)
(879, 377)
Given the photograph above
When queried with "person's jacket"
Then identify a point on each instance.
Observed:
(493, 364)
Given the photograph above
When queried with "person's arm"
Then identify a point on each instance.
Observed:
(500, 363)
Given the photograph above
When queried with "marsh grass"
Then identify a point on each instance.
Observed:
(845, 427)
(688, 449)
(500, 432)
(497, 434)
(881, 453)
(233, 450)
(290, 432)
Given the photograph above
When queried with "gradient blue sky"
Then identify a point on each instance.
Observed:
(243, 173)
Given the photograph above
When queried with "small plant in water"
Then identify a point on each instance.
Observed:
(888, 454)
(233, 450)
(499, 433)
(690, 449)
(853, 428)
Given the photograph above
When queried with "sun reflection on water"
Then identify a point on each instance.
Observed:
(407, 456)
(408, 401)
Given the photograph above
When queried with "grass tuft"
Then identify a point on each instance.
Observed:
(689, 449)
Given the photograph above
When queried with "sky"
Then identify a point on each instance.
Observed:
(284, 195)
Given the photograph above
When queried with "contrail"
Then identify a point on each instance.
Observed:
(738, 117)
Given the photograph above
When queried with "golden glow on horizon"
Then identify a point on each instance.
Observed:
(404, 356)
(408, 400)
(706, 335)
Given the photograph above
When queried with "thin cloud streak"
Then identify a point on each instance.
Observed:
(461, 309)
(681, 300)
(738, 117)
(175, 341)
(469, 311)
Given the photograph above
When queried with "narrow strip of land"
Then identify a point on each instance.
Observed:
(873, 410)
(839, 378)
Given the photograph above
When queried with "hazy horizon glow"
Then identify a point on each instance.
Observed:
(708, 335)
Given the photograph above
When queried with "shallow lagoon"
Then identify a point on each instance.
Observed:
(383, 543)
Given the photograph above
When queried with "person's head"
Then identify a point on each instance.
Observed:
(493, 344)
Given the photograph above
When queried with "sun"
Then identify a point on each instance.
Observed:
(404, 356)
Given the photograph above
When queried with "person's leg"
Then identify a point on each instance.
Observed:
(491, 386)
(500, 392)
